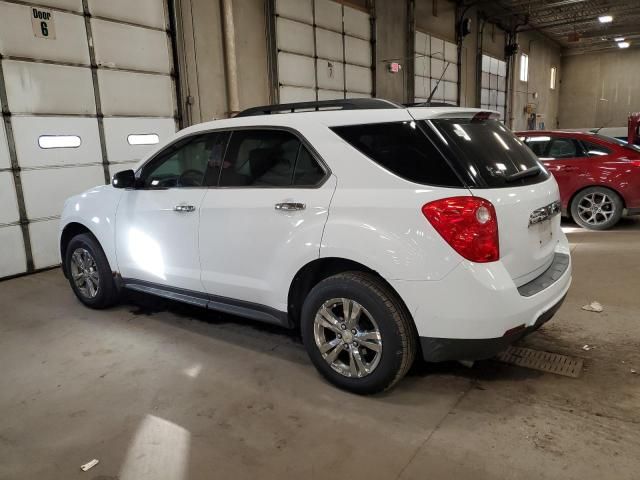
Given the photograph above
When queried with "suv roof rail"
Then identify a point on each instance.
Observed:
(430, 104)
(346, 104)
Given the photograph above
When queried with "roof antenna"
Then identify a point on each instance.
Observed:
(433, 92)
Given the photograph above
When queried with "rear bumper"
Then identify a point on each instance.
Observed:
(477, 310)
(446, 349)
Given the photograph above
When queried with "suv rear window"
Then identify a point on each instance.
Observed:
(488, 153)
(403, 149)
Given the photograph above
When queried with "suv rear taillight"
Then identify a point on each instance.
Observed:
(468, 224)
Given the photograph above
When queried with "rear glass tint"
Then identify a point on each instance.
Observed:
(488, 153)
(403, 149)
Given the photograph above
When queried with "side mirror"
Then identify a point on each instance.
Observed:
(124, 179)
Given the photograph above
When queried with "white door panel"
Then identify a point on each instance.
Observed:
(357, 51)
(129, 139)
(43, 88)
(12, 256)
(125, 93)
(295, 9)
(357, 23)
(44, 243)
(296, 70)
(298, 37)
(330, 94)
(8, 203)
(359, 79)
(296, 94)
(28, 130)
(46, 190)
(154, 242)
(17, 38)
(124, 46)
(235, 265)
(143, 12)
(328, 14)
(330, 75)
(329, 45)
(5, 161)
(74, 5)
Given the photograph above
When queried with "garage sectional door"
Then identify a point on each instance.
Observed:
(67, 126)
(324, 51)
(434, 59)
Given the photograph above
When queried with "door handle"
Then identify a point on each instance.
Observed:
(184, 208)
(290, 206)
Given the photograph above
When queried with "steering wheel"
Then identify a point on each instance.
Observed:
(191, 178)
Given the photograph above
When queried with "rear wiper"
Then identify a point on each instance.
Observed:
(529, 172)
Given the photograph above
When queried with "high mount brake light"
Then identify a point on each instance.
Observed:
(468, 224)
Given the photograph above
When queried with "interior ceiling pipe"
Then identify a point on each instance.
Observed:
(231, 67)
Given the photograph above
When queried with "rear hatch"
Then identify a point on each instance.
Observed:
(498, 167)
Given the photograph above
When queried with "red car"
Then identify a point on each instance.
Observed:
(598, 176)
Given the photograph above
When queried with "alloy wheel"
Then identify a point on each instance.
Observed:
(347, 337)
(84, 272)
(596, 208)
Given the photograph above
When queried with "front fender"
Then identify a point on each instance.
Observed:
(95, 210)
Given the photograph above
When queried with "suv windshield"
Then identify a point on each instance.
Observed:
(489, 154)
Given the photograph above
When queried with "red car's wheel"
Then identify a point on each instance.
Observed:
(597, 208)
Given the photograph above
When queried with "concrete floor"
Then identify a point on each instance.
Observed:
(161, 391)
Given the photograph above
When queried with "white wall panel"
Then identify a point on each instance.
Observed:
(294, 36)
(422, 66)
(450, 52)
(143, 12)
(12, 256)
(46, 190)
(330, 94)
(422, 43)
(296, 94)
(359, 79)
(330, 75)
(117, 130)
(5, 161)
(75, 5)
(17, 37)
(44, 243)
(357, 23)
(450, 92)
(451, 73)
(124, 46)
(296, 70)
(43, 88)
(357, 95)
(329, 44)
(357, 51)
(8, 202)
(329, 15)
(125, 93)
(27, 130)
(422, 87)
(437, 47)
(295, 9)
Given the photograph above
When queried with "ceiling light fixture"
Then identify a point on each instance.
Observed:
(605, 19)
(623, 44)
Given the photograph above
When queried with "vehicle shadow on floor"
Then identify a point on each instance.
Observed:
(266, 338)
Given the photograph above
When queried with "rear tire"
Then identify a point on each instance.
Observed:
(597, 208)
(358, 333)
(89, 272)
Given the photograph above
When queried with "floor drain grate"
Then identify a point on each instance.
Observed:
(543, 361)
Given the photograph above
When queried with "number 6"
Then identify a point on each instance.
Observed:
(44, 28)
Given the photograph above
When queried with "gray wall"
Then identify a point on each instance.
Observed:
(543, 54)
(391, 43)
(599, 89)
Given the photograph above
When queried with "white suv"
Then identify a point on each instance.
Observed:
(383, 232)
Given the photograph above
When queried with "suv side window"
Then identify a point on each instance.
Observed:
(562, 147)
(595, 150)
(403, 149)
(268, 158)
(184, 163)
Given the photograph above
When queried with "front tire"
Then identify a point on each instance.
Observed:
(357, 333)
(89, 273)
(597, 208)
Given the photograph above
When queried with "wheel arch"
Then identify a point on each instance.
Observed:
(599, 185)
(317, 270)
(68, 232)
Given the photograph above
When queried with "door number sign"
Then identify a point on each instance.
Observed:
(42, 23)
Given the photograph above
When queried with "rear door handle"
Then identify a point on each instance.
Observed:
(184, 208)
(290, 206)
